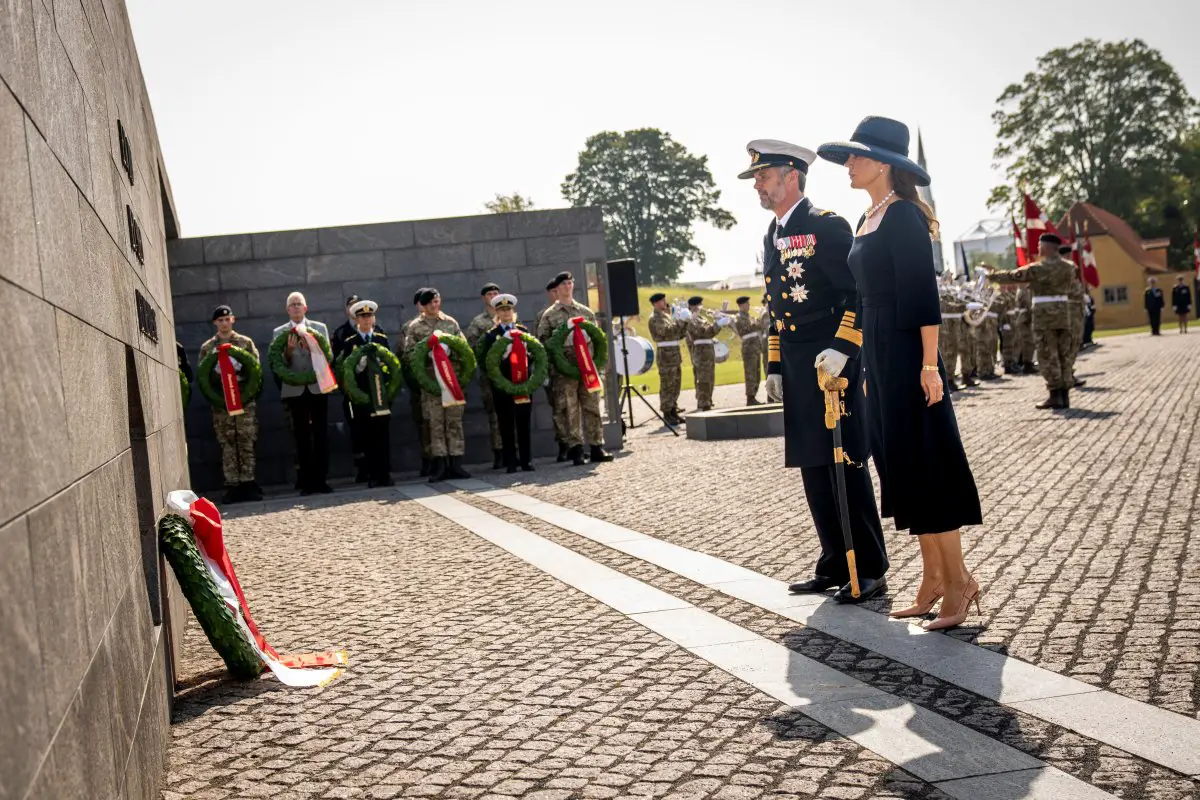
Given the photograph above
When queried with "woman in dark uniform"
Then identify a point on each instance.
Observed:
(925, 480)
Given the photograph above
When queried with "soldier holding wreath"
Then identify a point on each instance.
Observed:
(230, 377)
(517, 366)
(370, 376)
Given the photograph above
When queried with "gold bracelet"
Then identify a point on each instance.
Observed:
(928, 368)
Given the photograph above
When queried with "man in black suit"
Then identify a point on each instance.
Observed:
(341, 343)
(813, 303)
(1154, 306)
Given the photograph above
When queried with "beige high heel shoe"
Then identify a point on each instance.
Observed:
(970, 594)
(918, 608)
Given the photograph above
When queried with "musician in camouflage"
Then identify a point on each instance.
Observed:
(950, 333)
(1025, 344)
(1004, 305)
(576, 407)
(750, 333)
(445, 425)
(477, 328)
(966, 343)
(987, 343)
(702, 326)
(1076, 313)
(1050, 280)
(666, 331)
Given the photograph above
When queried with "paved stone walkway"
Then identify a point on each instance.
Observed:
(475, 674)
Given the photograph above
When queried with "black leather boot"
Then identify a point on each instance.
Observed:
(563, 451)
(598, 455)
(363, 475)
(454, 468)
(576, 455)
(437, 469)
(1053, 401)
(1064, 395)
(497, 459)
(426, 467)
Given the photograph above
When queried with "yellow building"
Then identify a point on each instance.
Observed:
(1124, 261)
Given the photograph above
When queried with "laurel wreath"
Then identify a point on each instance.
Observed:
(210, 385)
(537, 375)
(462, 358)
(566, 366)
(281, 369)
(389, 364)
(185, 389)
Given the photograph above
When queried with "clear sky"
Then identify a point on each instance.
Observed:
(281, 114)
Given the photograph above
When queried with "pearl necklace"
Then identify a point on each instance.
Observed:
(880, 204)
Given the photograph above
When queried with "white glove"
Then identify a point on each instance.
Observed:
(723, 321)
(362, 366)
(775, 388)
(683, 314)
(1006, 327)
(831, 361)
(974, 306)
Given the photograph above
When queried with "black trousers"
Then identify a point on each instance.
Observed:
(1155, 321)
(375, 437)
(357, 446)
(820, 487)
(515, 421)
(310, 418)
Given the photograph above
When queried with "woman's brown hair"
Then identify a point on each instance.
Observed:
(904, 184)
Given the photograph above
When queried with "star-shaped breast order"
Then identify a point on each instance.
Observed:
(795, 270)
(799, 293)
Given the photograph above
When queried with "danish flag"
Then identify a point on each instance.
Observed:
(1019, 243)
(1091, 274)
(1036, 223)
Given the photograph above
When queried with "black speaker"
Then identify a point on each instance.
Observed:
(622, 287)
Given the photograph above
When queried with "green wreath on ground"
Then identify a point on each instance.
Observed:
(280, 368)
(210, 385)
(185, 389)
(462, 358)
(215, 617)
(389, 365)
(537, 375)
(566, 366)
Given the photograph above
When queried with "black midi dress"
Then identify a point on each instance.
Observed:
(925, 481)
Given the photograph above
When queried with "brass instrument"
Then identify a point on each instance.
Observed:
(982, 292)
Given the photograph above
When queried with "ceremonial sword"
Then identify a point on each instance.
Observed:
(834, 388)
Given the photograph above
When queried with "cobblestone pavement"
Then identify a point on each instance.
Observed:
(473, 674)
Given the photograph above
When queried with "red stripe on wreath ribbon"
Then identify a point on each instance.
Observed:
(452, 394)
(229, 382)
(583, 356)
(518, 362)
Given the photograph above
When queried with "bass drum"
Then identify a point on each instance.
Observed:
(720, 352)
(641, 355)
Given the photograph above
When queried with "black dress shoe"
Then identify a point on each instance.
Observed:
(497, 459)
(813, 585)
(867, 588)
(323, 488)
(1079, 383)
(527, 467)
(511, 470)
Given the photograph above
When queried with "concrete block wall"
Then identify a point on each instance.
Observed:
(91, 430)
(254, 273)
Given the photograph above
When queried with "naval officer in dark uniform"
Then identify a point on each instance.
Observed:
(813, 304)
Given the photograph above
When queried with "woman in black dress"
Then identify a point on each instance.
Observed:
(925, 480)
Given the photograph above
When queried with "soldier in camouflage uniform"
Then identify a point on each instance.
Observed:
(987, 343)
(966, 345)
(414, 395)
(575, 406)
(559, 432)
(446, 441)
(1004, 305)
(701, 328)
(1076, 312)
(476, 330)
(1050, 280)
(764, 332)
(235, 434)
(667, 333)
(1024, 327)
(950, 333)
(752, 346)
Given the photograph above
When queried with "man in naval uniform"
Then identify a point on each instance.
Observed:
(813, 302)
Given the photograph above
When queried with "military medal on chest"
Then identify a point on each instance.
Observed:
(793, 250)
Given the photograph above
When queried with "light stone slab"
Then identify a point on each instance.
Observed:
(1047, 783)
(762, 662)
(694, 627)
(767, 593)
(695, 566)
(628, 595)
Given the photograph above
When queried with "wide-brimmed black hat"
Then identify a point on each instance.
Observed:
(878, 138)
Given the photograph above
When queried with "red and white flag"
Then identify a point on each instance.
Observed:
(1019, 243)
(443, 370)
(1091, 273)
(1036, 223)
(588, 374)
(290, 669)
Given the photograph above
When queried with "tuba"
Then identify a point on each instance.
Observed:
(982, 292)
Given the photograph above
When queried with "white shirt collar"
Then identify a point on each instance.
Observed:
(782, 221)
(303, 322)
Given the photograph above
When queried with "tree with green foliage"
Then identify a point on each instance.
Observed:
(1096, 121)
(651, 191)
(508, 203)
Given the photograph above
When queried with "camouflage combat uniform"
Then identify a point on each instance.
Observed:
(1076, 313)
(559, 433)
(701, 329)
(752, 346)
(950, 331)
(445, 425)
(1004, 305)
(1024, 315)
(1050, 283)
(574, 406)
(667, 332)
(235, 434)
(414, 395)
(966, 344)
(987, 343)
(476, 330)
(764, 329)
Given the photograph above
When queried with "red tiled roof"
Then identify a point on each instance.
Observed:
(1095, 221)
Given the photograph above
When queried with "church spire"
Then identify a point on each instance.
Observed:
(926, 195)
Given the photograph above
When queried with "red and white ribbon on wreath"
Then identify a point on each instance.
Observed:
(583, 355)
(292, 669)
(443, 370)
(518, 361)
(325, 380)
(229, 382)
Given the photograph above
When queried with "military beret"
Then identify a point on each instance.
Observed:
(559, 279)
(488, 287)
(550, 285)
(1065, 250)
(695, 301)
(417, 296)
(427, 295)
(742, 299)
(222, 311)
(352, 299)
(654, 298)
(1052, 238)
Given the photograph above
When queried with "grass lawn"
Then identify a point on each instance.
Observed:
(1121, 331)
(730, 371)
